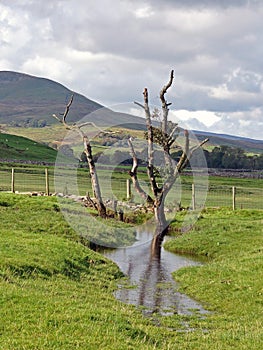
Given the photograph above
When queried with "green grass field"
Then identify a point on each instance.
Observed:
(57, 294)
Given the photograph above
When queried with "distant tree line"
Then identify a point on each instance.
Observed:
(226, 157)
(221, 157)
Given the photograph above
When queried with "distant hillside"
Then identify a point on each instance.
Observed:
(20, 148)
(247, 144)
(25, 98)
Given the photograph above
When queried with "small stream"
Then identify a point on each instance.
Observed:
(150, 284)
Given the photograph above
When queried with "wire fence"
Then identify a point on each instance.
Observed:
(67, 181)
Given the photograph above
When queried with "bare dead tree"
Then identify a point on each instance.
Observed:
(88, 152)
(167, 135)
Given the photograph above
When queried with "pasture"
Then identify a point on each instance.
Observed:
(57, 294)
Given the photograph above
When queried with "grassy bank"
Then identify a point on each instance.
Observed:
(230, 284)
(57, 294)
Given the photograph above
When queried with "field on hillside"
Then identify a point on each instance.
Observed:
(48, 134)
(57, 293)
(57, 132)
(13, 147)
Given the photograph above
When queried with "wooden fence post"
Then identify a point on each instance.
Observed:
(114, 205)
(234, 198)
(193, 197)
(13, 180)
(47, 181)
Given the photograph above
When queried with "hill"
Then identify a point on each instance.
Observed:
(27, 100)
(24, 96)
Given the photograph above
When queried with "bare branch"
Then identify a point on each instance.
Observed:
(139, 104)
(187, 154)
(146, 108)
(95, 126)
(166, 87)
(56, 117)
(165, 105)
(67, 110)
(184, 157)
(193, 149)
(173, 131)
(64, 115)
(134, 157)
(171, 139)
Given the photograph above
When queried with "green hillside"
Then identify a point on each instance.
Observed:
(20, 148)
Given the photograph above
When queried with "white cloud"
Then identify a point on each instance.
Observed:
(207, 118)
(243, 123)
(144, 12)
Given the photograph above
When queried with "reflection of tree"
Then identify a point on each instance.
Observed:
(154, 290)
(151, 278)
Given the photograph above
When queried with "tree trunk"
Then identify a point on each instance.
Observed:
(94, 179)
(156, 246)
(157, 241)
(161, 227)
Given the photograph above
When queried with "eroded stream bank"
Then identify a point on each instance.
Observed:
(150, 284)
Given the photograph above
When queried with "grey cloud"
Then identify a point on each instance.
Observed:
(207, 3)
(110, 53)
(245, 81)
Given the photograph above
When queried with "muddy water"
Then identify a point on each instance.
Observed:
(150, 284)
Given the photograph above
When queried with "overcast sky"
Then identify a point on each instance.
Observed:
(109, 50)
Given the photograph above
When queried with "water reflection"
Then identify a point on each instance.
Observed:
(149, 271)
